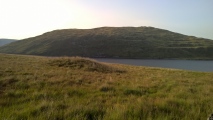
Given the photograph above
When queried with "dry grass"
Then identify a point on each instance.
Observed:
(77, 88)
(86, 64)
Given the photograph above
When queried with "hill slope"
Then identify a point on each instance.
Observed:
(122, 42)
(6, 41)
(40, 88)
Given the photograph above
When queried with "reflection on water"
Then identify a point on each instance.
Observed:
(194, 65)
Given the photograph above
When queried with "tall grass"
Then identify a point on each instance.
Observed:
(44, 88)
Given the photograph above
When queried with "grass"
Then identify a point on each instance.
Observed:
(114, 42)
(77, 88)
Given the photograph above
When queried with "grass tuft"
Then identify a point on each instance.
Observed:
(107, 88)
(84, 64)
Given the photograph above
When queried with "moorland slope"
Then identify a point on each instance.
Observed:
(6, 41)
(42, 88)
(114, 42)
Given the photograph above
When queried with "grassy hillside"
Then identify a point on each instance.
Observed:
(122, 42)
(39, 88)
(6, 41)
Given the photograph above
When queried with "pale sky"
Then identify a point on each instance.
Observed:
(21, 19)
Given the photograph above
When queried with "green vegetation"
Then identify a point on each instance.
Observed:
(39, 88)
(6, 41)
(114, 42)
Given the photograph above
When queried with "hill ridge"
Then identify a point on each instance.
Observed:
(114, 42)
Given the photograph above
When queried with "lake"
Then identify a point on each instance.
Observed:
(192, 65)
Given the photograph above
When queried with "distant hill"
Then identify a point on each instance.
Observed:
(115, 42)
(6, 41)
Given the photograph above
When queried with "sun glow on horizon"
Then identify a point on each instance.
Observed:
(32, 17)
(28, 18)
(21, 19)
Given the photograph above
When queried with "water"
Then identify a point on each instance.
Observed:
(192, 65)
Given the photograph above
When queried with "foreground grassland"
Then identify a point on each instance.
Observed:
(75, 88)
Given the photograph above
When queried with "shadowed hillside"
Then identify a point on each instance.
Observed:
(119, 42)
(6, 41)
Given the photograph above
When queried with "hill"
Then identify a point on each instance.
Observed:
(42, 88)
(111, 42)
(6, 41)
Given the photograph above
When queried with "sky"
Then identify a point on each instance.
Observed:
(20, 19)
